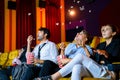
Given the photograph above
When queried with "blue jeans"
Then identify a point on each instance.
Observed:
(4, 75)
(94, 69)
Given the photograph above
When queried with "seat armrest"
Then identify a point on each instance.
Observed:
(115, 66)
(116, 63)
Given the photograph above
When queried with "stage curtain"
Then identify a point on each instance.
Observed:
(1, 25)
(25, 21)
(53, 19)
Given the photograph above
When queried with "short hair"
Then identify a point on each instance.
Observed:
(113, 27)
(46, 31)
(87, 35)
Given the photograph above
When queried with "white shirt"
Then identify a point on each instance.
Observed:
(48, 51)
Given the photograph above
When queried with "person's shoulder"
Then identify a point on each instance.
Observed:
(37, 46)
(101, 45)
(51, 43)
(116, 41)
(71, 44)
(88, 46)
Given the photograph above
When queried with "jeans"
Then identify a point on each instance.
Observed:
(91, 67)
(4, 75)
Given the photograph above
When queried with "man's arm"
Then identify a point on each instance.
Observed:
(29, 41)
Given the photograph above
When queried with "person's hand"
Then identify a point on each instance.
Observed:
(36, 60)
(29, 39)
(64, 61)
(101, 52)
(82, 43)
(59, 63)
(20, 51)
(62, 46)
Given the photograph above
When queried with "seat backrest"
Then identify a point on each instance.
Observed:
(95, 41)
(66, 43)
(3, 58)
(13, 54)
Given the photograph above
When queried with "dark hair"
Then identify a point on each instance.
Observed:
(23, 54)
(46, 31)
(113, 27)
(87, 35)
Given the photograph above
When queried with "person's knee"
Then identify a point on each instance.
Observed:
(48, 62)
(77, 68)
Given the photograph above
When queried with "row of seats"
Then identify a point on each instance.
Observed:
(7, 57)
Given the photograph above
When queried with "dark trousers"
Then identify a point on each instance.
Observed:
(31, 72)
(48, 68)
(5, 74)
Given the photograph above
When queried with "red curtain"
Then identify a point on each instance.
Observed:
(25, 21)
(53, 19)
(1, 25)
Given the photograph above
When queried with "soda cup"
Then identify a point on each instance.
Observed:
(30, 57)
(59, 58)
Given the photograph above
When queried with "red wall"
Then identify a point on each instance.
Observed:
(111, 14)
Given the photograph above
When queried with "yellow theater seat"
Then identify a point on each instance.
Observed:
(64, 79)
(66, 43)
(12, 55)
(102, 39)
(3, 59)
(85, 78)
(95, 42)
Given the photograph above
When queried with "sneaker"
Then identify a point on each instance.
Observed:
(112, 74)
(46, 78)
(43, 78)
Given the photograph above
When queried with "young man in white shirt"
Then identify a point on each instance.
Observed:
(45, 52)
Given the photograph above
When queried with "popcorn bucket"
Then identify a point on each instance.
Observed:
(59, 58)
(30, 57)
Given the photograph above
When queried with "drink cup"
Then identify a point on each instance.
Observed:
(30, 57)
(59, 58)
